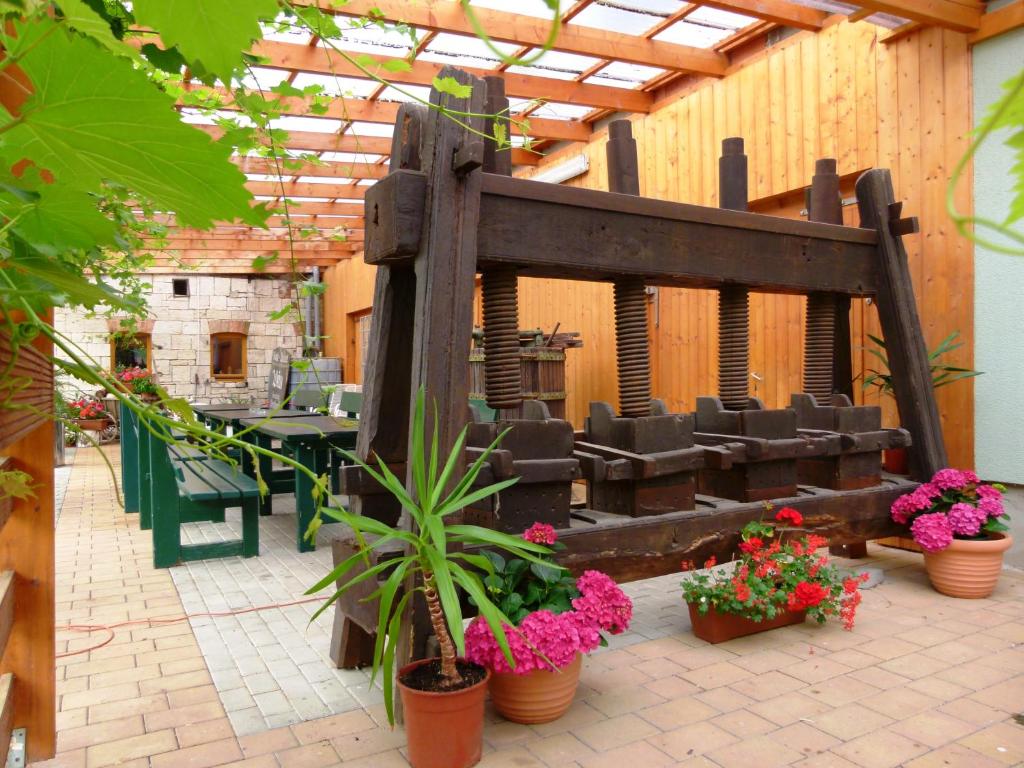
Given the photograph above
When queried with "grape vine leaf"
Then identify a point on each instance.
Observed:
(213, 32)
(94, 117)
(81, 17)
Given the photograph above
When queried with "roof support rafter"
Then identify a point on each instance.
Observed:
(959, 15)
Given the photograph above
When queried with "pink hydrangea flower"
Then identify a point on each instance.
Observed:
(948, 479)
(541, 533)
(991, 506)
(966, 519)
(988, 492)
(932, 531)
(603, 601)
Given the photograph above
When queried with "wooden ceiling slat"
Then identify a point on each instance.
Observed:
(299, 247)
(778, 11)
(307, 189)
(443, 16)
(997, 22)
(951, 14)
(289, 56)
(326, 169)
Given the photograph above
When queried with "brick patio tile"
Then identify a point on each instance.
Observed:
(841, 690)
(825, 760)
(505, 734)
(760, 751)
(764, 661)
(900, 703)
(943, 690)
(330, 727)
(638, 754)
(104, 695)
(615, 732)
(691, 740)
(677, 712)
(724, 699)
(972, 711)
(954, 756)
(716, 675)
(973, 675)
(392, 759)
(98, 733)
(623, 701)
(266, 742)
(118, 709)
(743, 723)
(1007, 696)
(188, 715)
(1003, 742)
(671, 687)
(767, 686)
(933, 728)
(789, 708)
(816, 669)
(72, 759)
(881, 749)
(560, 749)
(927, 636)
(200, 756)
(879, 677)
(888, 648)
(187, 696)
(129, 675)
(658, 667)
(205, 732)
(261, 761)
(114, 752)
(94, 667)
(853, 658)
(694, 658)
(805, 738)
(850, 721)
(316, 755)
(179, 682)
(193, 664)
(652, 649)
(513, 757)
(580, 714)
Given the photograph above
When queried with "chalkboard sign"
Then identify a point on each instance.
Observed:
(280, 373)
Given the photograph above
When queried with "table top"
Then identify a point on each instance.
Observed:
(234, 418)
(207, 407)
(305, 429)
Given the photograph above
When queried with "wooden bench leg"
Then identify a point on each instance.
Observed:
(351, 645)
(854, 550)
(250, 527)
(315, 460)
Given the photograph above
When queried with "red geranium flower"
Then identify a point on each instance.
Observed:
(711, 562)
(742, 592)
(789, 514)
(751, 545)
(806, 595)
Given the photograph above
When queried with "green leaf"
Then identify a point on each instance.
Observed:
(169, 60)
(114, 124)
(85, 20)
(549, 574)
(396, 65)
(212, 32)
(452, 87)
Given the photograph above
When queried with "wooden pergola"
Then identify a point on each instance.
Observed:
(610, 58)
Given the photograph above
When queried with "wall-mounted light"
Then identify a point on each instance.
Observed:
(575, 166)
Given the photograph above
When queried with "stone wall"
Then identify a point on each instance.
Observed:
(180, 332)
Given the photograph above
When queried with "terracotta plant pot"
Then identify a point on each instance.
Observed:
(539, 696)
(149, 397)
(443, 730)
(896, 461)
(715, 627)
(92, 425)
(968, 569)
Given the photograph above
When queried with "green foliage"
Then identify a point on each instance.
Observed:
(438, 491)
(15, 484)
(942, 373)
(1005, 115)
(519, 587)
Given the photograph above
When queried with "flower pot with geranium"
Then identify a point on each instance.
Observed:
(139, 382)
(960, 523)
(779, 579)
(89, 414)
(555, 621)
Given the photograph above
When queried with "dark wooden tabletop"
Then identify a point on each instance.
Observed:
(305, 429)
(234, 417)
(204, 408)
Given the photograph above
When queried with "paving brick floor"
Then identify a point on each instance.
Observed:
(922, 681)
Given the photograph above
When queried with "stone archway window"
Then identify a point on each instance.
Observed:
(229, 350)
(131, 344)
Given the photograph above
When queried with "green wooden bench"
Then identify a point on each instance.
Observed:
(180, 487)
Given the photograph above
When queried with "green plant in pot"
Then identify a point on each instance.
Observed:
(442, 698)
(942, 374)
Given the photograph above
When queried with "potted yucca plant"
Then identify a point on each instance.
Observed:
(442, 698)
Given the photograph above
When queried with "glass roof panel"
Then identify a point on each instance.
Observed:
(622, 70)
(336, 86)
(324, 180)
(615, 19)
(261, 77)
(389, 41)
(713, 17)
(350, 157)
(447, 42)
(406, 93)
(458, 59)
(559, 110)
(313, 124)
(371, 129)
(525, 7)
(697, 35)
(543, 72)
(569, 62)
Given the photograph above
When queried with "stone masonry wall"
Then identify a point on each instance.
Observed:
(181, 327)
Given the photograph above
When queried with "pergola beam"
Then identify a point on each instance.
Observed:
(443, 16)
(304, 58)
(997, 22)
(327, 169)
(777, 11)
(959, 15)
(299, 189)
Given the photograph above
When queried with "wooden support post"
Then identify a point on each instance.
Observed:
(733, 301)
(901, 326)
(445, 268)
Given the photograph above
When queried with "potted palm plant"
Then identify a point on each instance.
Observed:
(895, 459)
(442, 698)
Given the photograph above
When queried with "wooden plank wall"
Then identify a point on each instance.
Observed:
(838, 93)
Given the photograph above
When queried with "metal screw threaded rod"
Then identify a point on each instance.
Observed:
(631, 354)
(502, 373)
(733, 301)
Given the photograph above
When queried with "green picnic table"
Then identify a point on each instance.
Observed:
(310, 440)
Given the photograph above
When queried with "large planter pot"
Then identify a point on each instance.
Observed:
(92, 425)
(539, 696)
(715, 627)
(896, 461)
(443, 729)
(968, 569)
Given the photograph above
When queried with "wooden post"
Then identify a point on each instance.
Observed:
(901, 326)
(27, 550)
(733, 301)
(445, 267)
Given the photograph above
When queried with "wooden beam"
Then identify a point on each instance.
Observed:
(297, 189)
(314, 141)
(997, 22)
(959, 15)
(325, 169)
(301, 248)
(231, 268)
(320, 258)
(302, 58)
(901, 32)
(384, 112)
(443, 16)
(777, 11)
